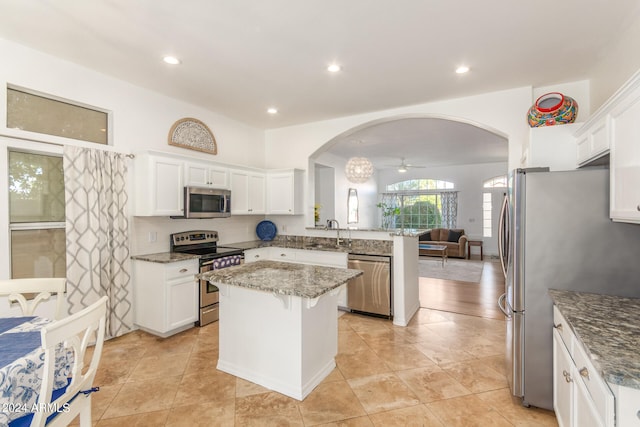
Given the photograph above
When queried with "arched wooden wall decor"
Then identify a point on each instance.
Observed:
(194, 135)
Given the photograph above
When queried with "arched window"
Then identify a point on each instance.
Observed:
(496, 182)
(419, 203)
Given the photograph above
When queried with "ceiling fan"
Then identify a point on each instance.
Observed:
(403, 167)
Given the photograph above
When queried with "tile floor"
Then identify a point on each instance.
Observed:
(444, 369)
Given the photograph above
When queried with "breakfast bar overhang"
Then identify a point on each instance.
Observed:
(279, 323)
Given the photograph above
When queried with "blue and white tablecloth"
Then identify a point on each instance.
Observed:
(21, 366)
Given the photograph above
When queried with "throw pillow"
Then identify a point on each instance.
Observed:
(425, 237)
(454, 236)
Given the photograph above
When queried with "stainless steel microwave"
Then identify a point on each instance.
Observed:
(201, 202)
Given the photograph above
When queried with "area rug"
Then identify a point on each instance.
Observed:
(454, 269)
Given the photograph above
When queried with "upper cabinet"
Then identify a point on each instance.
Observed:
(615, 129)
(247, 192)
(160, 179)
(592, 141)
(204, 175)
(624, 122)
(158, 185)
(285, 192)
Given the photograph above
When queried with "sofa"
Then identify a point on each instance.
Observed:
(453, 238)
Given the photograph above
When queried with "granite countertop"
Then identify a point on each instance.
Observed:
(609, 329)
(165, 257)
(283, 278)
(358, 246)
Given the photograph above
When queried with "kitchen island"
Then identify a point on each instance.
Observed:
(279, 323)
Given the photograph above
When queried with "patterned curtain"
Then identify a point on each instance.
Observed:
(449, 200)
(97, 231)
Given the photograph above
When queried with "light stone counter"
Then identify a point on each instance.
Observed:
(283, 278)
(609, 330)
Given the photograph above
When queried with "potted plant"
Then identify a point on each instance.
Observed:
(388, 214)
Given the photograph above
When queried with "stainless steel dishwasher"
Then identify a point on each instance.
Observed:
(371, 292)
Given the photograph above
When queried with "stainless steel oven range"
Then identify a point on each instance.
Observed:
(212, 257)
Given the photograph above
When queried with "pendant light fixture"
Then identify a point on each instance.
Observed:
(358, 169)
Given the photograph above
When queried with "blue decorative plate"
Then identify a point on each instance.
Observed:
(266, 230)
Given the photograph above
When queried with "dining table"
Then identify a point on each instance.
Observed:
(22, 366)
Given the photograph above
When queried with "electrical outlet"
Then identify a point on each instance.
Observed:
(153, 236)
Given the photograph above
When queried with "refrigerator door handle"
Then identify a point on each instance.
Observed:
(502, 306)
(501, 235)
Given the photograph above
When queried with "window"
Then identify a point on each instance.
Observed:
(419, 203)
(497, 182)
(486, 214)
(47, 115)
(352, 206)
(36, 215)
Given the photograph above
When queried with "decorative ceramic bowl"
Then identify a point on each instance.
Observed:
(553, 109)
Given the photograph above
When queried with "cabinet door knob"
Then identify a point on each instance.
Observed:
(183, 270)
(584, 372)
(567, 377)
(283, 254)
(638, 414)
(558, 326)
(638, 208)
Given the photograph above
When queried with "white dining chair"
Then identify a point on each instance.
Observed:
(75, 333)
(42, 287)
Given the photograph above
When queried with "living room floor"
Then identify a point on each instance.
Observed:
(444, 369)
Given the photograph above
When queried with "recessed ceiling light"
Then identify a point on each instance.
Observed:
(462, 69)
(272, 110)
(333, 68)
(171, 60)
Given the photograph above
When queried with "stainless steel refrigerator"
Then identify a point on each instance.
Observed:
(555, 233)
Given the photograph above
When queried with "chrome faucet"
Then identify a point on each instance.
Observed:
(330, 223)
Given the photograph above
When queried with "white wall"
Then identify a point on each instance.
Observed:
(141, 120)
(617, 63)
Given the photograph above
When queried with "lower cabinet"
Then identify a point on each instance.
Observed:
(581, 397)
(165, 296)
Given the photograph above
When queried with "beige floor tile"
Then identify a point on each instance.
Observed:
(247, 388)
(160, 365)
(432, 383)
(351, 422)
(269, 409)
(335, 375)
(511, 408)
(442, 352)
(451, 411)
(213, 414)
(362, 363)
(215, 386)
(201, 362)
(330, 402)
(402, 357)
(476, 376)
(150, 395)
(157, 418)
(350, 342)
(181, 343)
(418, 416)
(382, 392)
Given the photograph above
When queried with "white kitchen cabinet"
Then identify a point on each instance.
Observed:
(581, 397)
(562, 382)
(204, 175)
(625, 158)
(285, 192)
(257, 254)
(592, 140)
(247, 192)
(165, 296)
(283, 254)
(158, 187)
(627, 406)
